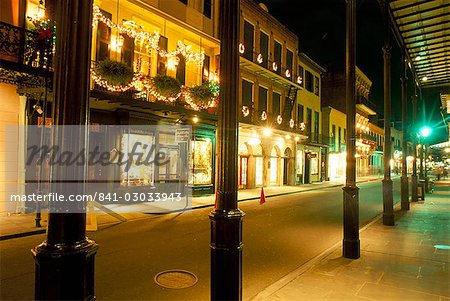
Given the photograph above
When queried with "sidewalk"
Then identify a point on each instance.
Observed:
(17, 225)
(409, 261)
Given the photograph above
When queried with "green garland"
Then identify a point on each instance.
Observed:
(116, 73)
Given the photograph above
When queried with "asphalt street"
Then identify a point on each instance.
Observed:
(279, 236)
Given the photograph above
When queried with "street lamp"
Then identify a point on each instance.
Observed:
(425, 131)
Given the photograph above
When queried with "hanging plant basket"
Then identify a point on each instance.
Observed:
(202, 94)
(166, 86)
(116, 73)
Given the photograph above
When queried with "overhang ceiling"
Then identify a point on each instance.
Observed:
(424, 27)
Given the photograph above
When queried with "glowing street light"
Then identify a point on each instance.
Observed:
(425, 131)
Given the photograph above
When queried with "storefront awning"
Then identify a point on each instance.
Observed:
(423, 27)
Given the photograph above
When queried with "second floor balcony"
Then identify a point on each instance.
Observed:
(27, 51)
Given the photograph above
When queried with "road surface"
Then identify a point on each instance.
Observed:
(279, 236)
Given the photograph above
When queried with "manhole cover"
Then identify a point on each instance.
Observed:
(176, 279)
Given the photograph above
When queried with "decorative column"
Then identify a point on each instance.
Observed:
(226, 218)
(404, 188)
(350, 244)
(427, 189)
(388, 199)
(414, 182)
(65, 261)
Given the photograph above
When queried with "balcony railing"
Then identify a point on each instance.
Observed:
(364, 101)
(26, 50)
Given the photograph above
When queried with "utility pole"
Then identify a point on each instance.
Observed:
(226, 218)
(65, 260)
(404, 181)
(351, 244)
(388, 199)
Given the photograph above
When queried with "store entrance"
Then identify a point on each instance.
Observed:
(307, 168)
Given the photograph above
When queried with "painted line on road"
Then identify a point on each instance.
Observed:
(278, 285)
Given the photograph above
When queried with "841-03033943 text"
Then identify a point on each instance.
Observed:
(138, 197)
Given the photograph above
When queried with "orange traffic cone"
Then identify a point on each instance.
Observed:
(262, 199)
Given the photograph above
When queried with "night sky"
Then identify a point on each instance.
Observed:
(320, 26)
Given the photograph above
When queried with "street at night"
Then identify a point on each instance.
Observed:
(279, 236)
(225, 150)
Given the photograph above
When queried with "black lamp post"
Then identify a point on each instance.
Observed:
(65, 261)
(404, 181)
(388, 199)
(414, 180)
(226, 218)
(351, 244)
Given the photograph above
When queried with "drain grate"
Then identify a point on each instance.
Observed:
(176, 279)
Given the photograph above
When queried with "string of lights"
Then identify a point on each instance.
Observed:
(149, 39)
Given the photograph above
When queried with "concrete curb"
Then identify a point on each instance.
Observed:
(278, 285)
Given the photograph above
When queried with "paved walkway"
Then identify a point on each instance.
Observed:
(16, 225)
(409, 261)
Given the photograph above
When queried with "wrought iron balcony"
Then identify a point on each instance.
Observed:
(26, 51)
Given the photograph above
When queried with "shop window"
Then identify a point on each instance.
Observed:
(333, 137)
(259, 167)
(290, 61)
(103, 38)
(181, 69)
(249, 32)
(309, 81)
(201, 162)
(340, 138)
(264, 48)
(137, 174)
(274, 167)
(162, 61)
(206, 68)
(168, 147)
(314, 162)
(277, 56)
(262, 105)
(276, 104)
(316, 85)
(169, 171)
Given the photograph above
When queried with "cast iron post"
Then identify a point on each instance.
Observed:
(404, 189)
(427, 189)
(226, 218)
(388, 201)
(65, 261)
(350, 244)
(414, 182)
(422, 145)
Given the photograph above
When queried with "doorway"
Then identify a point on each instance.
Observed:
(307, 168)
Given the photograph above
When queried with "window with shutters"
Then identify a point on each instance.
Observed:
(249, 32)
(264, 48)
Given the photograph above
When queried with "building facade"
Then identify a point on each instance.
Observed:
(168, 57)
(369, 137)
